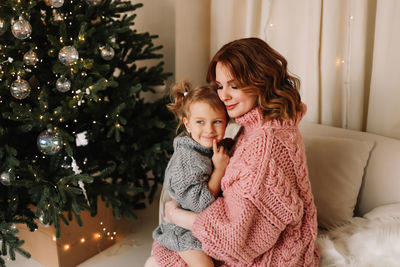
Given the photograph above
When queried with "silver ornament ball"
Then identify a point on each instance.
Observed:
(63, 84)
(56, 3)
(3, 26)
(68, 55)
(21, 29)
(49, 142)
(41, 221)
(30, 58)
(107, 53)
(5, 178)
(20, 89)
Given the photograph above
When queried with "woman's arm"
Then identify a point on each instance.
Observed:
(175, 215)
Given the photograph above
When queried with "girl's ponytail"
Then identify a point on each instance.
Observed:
(178, 95)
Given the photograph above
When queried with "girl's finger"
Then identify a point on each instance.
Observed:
(215, 147)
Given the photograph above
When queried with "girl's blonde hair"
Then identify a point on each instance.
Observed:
(183, 96)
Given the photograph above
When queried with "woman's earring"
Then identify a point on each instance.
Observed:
(188, 131)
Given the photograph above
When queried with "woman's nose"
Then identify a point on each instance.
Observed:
(223, 94)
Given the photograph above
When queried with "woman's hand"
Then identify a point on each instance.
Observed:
(175, 215)
(169, 208)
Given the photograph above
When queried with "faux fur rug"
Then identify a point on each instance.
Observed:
(369, 241)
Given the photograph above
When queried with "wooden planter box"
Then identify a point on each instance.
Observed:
(76, 244)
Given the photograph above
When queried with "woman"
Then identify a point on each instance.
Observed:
(266, 216)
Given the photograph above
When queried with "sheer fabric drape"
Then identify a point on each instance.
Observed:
(344, 51)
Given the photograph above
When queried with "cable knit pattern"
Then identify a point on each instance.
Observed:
(186, 181)
(267, 215)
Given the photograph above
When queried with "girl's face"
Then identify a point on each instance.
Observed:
(205, 123)
(237, 102)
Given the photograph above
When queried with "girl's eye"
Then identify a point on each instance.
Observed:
(199, 122)
(217, 121)
(233, 86)
(219, 87)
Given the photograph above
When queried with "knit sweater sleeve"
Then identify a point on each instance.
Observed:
(188, 181)
(255, 208)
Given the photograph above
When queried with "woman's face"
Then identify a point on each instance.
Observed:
(237, 102)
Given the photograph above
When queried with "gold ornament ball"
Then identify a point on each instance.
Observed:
(30, 58)
(68, 55)
(63, 84)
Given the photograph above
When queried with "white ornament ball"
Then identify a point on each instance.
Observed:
(21, 29)
(68, 55)
(5, 178)
(56, 3)
(20, 89)
(107, 53)
(49, 142)
(30, 58)
(63, 84)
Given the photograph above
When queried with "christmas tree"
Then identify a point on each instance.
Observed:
(73, 121)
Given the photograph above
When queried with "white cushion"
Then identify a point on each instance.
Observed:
(336, 168)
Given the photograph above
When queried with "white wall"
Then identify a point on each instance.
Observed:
(158, 18)
(183, 27)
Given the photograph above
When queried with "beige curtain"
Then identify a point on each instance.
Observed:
(346, 52)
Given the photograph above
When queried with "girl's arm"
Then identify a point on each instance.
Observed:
(175, 215)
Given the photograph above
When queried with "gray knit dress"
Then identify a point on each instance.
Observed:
(186, 181)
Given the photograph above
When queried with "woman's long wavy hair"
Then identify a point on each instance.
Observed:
(260, 70)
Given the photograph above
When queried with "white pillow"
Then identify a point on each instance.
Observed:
(336, 168)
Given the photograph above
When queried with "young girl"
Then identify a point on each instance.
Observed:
(194, 172)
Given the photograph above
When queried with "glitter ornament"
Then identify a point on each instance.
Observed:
(68, 55)
(107, 53)
(5, 178)
(49, 142)
(21, 29)
(3, 26)
(56, 3)
(30, 58)
(20, 89)
(93, 2)
(63, 84)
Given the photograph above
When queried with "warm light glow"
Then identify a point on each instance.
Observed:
(97, 235)
(54, 238)
(66, 247)
(83, 240)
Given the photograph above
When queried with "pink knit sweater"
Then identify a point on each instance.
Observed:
(267, 215)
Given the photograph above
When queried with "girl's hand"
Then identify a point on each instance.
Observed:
(220, 158)
(169, 208)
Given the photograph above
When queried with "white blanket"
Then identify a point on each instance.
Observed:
(371, 240)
